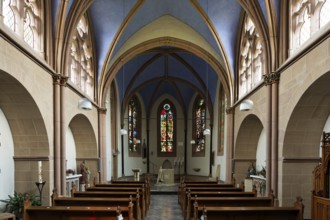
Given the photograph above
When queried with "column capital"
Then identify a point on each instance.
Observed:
(64, 80)
(58, 79)
(230, 110)
(270, 78)
(102, 110)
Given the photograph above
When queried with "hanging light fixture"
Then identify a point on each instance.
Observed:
(246, 105)
(85, 104)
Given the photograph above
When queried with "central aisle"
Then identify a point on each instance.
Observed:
(164, 207)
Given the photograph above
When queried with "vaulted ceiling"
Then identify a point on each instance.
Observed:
(123, 30)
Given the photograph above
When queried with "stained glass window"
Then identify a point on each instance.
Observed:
(167, 128)
(199, 125)
(134, 135)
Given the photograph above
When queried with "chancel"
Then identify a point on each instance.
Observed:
(132, 107)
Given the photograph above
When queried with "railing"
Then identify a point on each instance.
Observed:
(320, 208)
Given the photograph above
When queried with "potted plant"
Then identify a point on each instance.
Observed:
(15, 203)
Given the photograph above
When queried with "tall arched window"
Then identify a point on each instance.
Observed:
(199, 125)
(81, 66)
(9, 16)
(167, 129)
(23, 18)
(134, 127)
(251, 58)
(325, 13)
(307, 17)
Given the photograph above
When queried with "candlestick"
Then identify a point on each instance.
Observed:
(40, 171)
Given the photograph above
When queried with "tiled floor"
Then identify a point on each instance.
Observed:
(164, 207)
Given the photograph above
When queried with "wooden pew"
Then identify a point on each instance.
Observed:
(217, 188)
(213, 194)
(76, 212)
(93, 202)
(250, 213)
(115, 194)
(111, 188)
(228, 202)
(143, 187)
(184, 185)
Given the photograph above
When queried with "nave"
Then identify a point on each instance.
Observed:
(164, 207)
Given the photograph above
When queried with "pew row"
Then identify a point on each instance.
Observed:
(76, 212)
(116, 194)
(183, 187)
(249, 213)
(93, 202)
(228, 202)
(213, 194)
(143, 187)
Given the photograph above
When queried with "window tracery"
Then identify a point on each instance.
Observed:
(23, 18)
(307, 18)
(81, 70)
(251, 58)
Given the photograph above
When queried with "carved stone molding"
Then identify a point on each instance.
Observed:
(230, 110)
(102, 110)
(271, 78)
(60, 80)
(64, 80)
(56, 79)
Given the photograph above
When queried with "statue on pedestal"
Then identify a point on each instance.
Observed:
(85, 172)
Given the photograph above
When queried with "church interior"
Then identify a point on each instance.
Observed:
(166, 93)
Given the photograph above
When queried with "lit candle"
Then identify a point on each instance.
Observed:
(40, 171)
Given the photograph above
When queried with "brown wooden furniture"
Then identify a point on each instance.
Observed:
(213, 194)
(321, 183)
(93, 202)
(228, 202)
(76, 212)
(109, 194)
(249, 213)
(4, 216)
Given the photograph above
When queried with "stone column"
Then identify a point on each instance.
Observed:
(63, 129)
(272, 81)
(275, 81)
(230, 145)
(102, 145)
(57, 133)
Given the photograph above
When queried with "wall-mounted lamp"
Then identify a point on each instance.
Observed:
(192, 142)
(85, 104)
(207, 131)
(123, 131)
(246, 105)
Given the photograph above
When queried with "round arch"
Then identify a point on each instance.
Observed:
(301, 141)
(85, 143)
(246, 145)
(29, 133)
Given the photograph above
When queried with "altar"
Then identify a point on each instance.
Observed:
(165, 176)
(168, 176)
